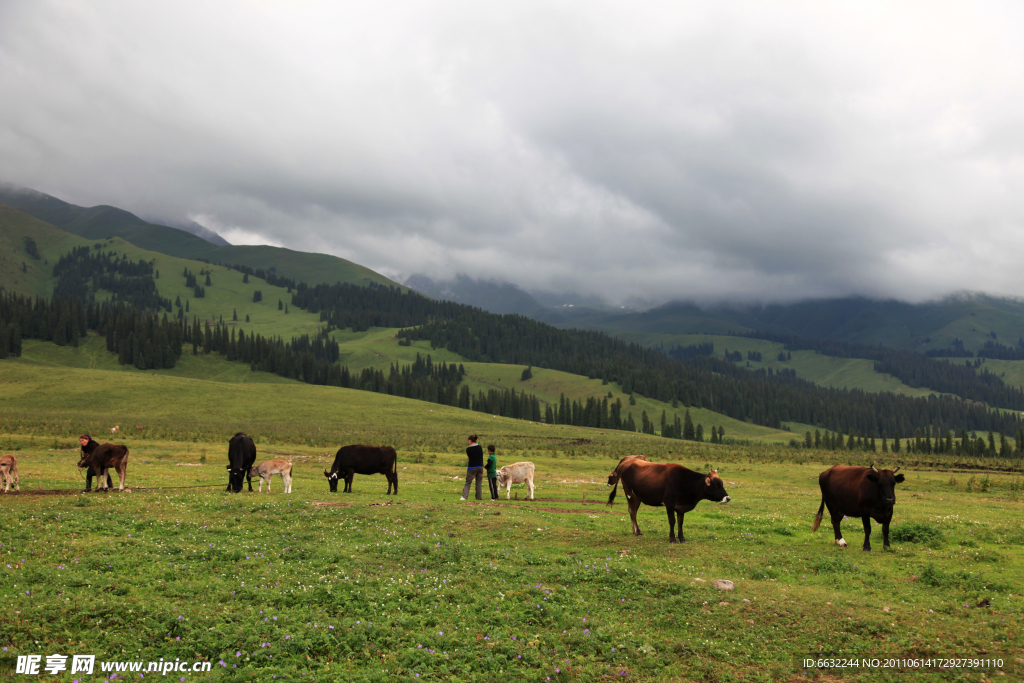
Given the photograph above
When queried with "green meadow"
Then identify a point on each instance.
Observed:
(421, 586)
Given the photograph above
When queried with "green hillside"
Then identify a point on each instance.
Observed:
(972, 318)
(827, 371)
(101, 222)
(226, 295)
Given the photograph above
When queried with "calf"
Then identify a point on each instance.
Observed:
(352, 460)
(9, 472)
(266, 470)
(863, 492)
(104, 458)
(516, 473)
(673, 486)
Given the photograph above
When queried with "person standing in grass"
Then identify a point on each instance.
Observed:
(492, 472)
(475, 470)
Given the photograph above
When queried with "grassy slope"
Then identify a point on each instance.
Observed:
(101, 222)
(839, 373)
(379, 348)
(226, 294)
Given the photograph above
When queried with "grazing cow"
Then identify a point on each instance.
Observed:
(9, 472)
(353, 460)
(863, 492)
(613, 477)
(241, 456)
(674, 486)
(104, 458)
(266, 470)
(516, 473)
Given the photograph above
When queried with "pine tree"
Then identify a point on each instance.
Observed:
(699, 434)
(246, 317)
(527, 374)
(688, 432)
(896, 441)
(186, 305)
(280, 305)
(208, 283)
(245, 278)
(234, 314)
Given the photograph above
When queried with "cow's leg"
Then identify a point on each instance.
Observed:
(634, 505)
(122, 474)
(671, 524)
(348, 481)
(836, 521)
(248, 477)
(508, 490)
(885, 532)
(101, 480)
(529, 485)
(867, 532)
(682, 539)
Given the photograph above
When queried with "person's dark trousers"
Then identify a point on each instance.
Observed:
(477, 474)
(90, 473)
(493, 483)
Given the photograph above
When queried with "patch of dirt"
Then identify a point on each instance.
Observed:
(325, 504)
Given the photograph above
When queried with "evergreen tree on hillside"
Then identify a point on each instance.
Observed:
(527, 374)
(699, 433)
(208, 283)
(688, 432)
(245, 278)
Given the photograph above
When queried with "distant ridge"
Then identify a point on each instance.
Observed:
(192, 227)
(99, 222)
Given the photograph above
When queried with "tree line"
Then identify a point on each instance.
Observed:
(82, 273)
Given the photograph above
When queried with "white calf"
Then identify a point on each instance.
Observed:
(265, 470)
(516, 473)
(9, 472)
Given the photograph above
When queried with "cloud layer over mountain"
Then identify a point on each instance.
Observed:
(755, 151)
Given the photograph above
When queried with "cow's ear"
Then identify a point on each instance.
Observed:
(899, 478)
(707, 481)
(873, 476)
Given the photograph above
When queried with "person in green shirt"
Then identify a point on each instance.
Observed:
(492, 472)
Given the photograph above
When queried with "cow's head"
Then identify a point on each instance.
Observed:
(84, 461)
(613, 478)
(236, 476)
(885, 482)
(332, 480)
(714, 488)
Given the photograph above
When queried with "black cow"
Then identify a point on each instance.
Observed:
(102, 459)
(858, 492)
(657, 484)
(353, 460)
(241, 456)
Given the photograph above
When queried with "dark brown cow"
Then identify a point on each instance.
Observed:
(241, 458)
(863, 492)
(353, 460)
(674, 486)
(103, 458)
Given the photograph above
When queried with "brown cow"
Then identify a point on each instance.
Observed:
(674, 486)
(9, 472)
(106, 457)
(863, 492)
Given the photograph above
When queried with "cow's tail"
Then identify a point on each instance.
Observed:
(611, 496)
(290, 466)
(817, 517)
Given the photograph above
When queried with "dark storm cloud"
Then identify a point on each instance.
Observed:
(655, 151)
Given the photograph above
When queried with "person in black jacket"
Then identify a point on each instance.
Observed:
(476, 468)
(88, 446)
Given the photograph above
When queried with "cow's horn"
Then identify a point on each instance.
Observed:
(326, 473)
(896, 470)
(873, 467)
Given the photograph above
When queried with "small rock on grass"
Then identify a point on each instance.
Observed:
(723, 584)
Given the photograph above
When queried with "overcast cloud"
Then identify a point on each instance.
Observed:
(764, 151)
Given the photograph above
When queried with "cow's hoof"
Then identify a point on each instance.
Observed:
(867, 550)
(671, 540)
(841, 543)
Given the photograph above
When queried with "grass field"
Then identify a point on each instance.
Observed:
(421, 587)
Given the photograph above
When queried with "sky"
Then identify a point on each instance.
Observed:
(708, 151)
